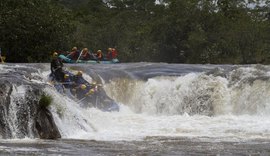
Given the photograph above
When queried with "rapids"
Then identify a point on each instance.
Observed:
(226, 102)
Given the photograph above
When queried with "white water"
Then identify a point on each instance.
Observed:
(162, 106)
(17, 96)
(167, 106)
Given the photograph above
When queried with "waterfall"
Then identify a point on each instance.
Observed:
(228, 102)
(239, 91)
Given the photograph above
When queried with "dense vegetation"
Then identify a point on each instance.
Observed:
(174, 31)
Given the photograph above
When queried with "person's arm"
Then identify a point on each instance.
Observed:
(61, 63)
(94, 56)
(52, 67)
(71, 55)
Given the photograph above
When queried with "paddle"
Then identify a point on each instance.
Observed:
(79, 56)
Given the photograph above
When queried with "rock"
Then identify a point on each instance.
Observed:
(21, 115)
(45, 125)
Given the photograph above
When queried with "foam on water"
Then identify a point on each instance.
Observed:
(222, 105)
(192, 105)
(126, 125)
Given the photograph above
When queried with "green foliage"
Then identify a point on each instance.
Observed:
(45, 101)
(175, 31)
(32, 28)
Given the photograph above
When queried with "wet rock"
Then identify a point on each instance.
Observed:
(4, 101)
(45, 125)
(21, 115)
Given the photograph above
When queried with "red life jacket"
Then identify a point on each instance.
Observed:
(99, 56)
(114, 53)
(85, 56)
(74, 55)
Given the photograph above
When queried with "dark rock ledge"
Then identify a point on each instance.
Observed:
(20, 113)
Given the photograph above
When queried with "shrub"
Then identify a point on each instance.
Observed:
(45, 101)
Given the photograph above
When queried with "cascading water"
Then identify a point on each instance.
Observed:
(225, 102)
(21, 114)
(238, 92)
(17, 97)
(192, 94)
(217, 102)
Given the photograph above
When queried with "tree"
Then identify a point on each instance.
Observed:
(31, 29)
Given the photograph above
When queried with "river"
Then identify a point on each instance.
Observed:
(165, 109)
